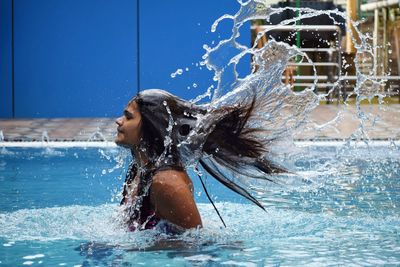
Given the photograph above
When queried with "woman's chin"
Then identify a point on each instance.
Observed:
(119, 142)
(122, 143)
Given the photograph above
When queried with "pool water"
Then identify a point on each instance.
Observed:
(340, 207)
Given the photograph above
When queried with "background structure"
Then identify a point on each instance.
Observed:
(68, 59)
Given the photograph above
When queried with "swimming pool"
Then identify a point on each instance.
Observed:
(59, 206)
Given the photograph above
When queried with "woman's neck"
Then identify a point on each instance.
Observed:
(140, 156)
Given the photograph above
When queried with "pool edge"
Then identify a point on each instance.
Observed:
(106, 144)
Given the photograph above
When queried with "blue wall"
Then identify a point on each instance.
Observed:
(88, 58)
(172, 35)
(6, 76)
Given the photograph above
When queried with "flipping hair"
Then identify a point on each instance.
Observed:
(175, 131)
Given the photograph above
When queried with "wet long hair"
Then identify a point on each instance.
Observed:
(176, 133)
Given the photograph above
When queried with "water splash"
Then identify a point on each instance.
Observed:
(120, 159)
(45, 138)
(284, 110)
(3, 149)
(49, 151)
(177, 72)
(203, 96)
(97, 136)
(289, 230)
(45, 143)
(167, 140)
(281, 111)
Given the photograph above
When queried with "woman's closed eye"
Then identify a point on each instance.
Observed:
(128, 115)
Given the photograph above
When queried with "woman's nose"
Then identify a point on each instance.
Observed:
(118, 121)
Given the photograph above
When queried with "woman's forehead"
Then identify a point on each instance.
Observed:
(132, 105)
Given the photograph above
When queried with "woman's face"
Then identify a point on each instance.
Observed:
(129, 126)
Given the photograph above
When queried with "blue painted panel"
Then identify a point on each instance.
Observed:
(6, 59)
(74, 58)
(172, 34)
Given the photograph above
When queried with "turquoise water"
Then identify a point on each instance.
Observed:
(60, 207)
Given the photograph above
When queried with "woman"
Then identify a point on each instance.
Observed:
(167, 134)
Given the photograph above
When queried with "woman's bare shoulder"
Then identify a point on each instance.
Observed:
(171, 178)
(171, 195)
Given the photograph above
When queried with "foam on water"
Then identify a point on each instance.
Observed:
(102, 224)
(293, 234)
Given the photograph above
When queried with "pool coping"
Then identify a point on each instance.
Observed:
(323, 123)
(108, 144)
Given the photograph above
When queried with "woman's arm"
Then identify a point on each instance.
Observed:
(173, 200)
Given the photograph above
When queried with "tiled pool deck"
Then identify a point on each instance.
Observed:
(385, 125)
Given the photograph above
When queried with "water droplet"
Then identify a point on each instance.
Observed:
(177, 72)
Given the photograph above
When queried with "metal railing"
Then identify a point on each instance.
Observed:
(329, 79)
